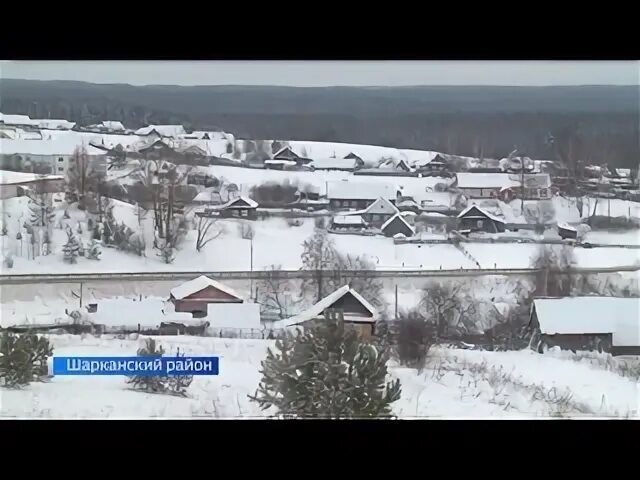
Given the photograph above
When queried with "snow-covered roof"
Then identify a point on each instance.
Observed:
(393, 219)
(346, 189)
(566, 226)
(8, 178)
(482, 211)
(382, 206)
(205, 197)
(485, 180)
(233, 315)
(113, 125)
(333, 163)
(148, 312)
(591, 315)
(198, 284)
(164, 130)
(315, 311)
(280, 162)
(348, 220)
(44, 147)
(49, 123)
(17, 120)
(247, 200)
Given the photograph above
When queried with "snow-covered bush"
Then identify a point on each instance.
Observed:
(8, 261)
(23, 358)
(414, 337)
(327, 372)
(71, 249)
(93, 250)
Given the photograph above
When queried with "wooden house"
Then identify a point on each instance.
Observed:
(239, 207)
(397, 225)
(286, 153)
(356, 312)
(476, 219)
(356, 157)
(345, 194)
(379, 212)
(609, 324)
(195, 295)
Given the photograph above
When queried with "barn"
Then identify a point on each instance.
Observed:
(358, 314)
(195, 295)
(610, 324)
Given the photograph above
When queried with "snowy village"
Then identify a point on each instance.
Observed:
(494, 287)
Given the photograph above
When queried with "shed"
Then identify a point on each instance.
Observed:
(195, 295)
(395, 225)
(594, 323)
(358, 313)
(475, 219)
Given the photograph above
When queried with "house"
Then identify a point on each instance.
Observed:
(286, 153)
(357, 312)
(172, 131)
(242, 207)
(341, 164)
(436, 165)
(348, 222)
(475, 219)
(346, 194)
(16, 184)
(354, 156)
(195, 295)
(279, 164)
(483, 185)
(397, 225)
(47, 156)
(609, 324)
(379, 212)
(18, 121)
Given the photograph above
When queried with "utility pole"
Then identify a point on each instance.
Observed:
(396, 301)
(251, 260)
(81, 294)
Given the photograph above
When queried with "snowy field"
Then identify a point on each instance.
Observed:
(455, 383)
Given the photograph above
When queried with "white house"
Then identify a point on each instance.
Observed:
(12, 182)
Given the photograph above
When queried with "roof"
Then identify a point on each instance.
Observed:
(316, 310)
(230, 203)
(591, 315)
(233, 315)
(60, 146)
(56, 124)
(399, 217)
(8, 178)
(382, 205)
(111, 125)
(164, 130)
(348, 220)
(346, 189)
(17, 120)
(198, 284)
(280, 162)
(482, 211)
(149, 312)
(334, 163)
(486, 180)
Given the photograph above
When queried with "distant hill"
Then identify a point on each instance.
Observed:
(460, 120)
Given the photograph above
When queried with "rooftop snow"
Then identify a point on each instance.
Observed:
(316, 310)
(345, 189)
(382, 206)
(7, 177)
(54, 124)
(333, 163)
(111, 125)
(591, 315)
(481, 210)
(392, 219)
(164, 130)
(17, 120)
(486, 180)
(44, 147)
(149, 312)
(348, 220)
(198, 284)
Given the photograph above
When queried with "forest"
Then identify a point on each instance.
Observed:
(597, 124)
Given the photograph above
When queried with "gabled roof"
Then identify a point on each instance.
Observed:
(316, 310)
(481, 211)
(591, 315)
(251, 203)
(198, 284)
(382, 206)
(284, 149)
(396, 217)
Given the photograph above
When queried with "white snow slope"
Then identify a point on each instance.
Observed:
(455, 383)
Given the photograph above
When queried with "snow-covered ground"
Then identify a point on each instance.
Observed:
(455, 383)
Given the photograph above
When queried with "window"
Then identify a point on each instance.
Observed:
(244, 213)
(60, 168)
(60, 159)
(480, 223)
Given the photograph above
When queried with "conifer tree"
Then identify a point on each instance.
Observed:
(93, 250)
(23, 358)
(327, 372)
(71, 249)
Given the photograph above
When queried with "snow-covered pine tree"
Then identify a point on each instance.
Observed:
(93, 250)
(42, 211)
(23, 358)
(327, 372)
(71, 249)
(154, 384)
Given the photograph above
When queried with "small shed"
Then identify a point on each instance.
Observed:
(357, 312)
(610, 324)
(475, 219)
(195, 295)
(242, 207)
(395, 225)
(346, 222)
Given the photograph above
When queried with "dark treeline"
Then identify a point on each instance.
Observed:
(599, 122)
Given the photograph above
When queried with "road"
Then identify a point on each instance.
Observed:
(290, 274)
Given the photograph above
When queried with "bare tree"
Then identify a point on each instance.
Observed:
(414, 337)
(369, 287)
(276, 293)
(82, 178)
(318, 255)
(205, 234)
(554, 277)
(448, 305)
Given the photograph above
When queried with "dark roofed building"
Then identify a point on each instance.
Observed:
(476, 219)
(397, 225)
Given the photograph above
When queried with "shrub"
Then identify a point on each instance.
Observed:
(414, 338)
(8, 261)
(23, 358)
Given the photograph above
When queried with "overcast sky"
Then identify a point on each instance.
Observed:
(328, 73)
